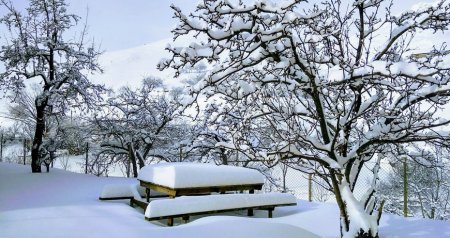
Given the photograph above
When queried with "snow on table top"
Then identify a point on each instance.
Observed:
(193, 175)
(193, 204)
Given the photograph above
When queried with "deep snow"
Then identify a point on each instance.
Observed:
(188, 175)
(65, 204)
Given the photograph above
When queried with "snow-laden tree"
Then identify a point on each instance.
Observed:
(136, 124)
(37, 48)
(334, 84)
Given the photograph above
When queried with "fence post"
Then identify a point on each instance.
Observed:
(405, 188)
(24, 151)
(87, 157)
(310, 187)
(181, 152)
(1, 148)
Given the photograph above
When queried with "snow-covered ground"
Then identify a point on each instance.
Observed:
(65, 204)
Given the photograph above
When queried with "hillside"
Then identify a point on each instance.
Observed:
(129, 66)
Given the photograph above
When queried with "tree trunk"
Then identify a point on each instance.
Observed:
(356, 221)
(223, 156)
(127, 166)
(38, 135)
(52, 158)
(140, 160)
(132, 157)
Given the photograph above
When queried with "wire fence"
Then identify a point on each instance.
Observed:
(308, 187)
(407, 188)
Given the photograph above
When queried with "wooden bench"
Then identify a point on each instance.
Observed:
(186, 206)
(126, 191)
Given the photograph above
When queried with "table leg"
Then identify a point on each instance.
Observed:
(147, 194)
(270, 212)
(250, 211)
(170, 221)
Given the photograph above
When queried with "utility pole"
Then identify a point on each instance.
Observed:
(405, 188)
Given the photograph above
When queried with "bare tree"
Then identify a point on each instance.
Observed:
(318, 78)
(37, 48)
(135, 124)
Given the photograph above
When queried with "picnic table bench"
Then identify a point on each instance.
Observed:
(187, 206)
(126, 191)
(200, 181)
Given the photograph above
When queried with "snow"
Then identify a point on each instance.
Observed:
(127, 190)
(120, 190)
(64, 204)
(188, 175)
(189, 204)
(359, 219)
(129, 66)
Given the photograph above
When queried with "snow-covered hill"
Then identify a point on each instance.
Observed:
(130, 66)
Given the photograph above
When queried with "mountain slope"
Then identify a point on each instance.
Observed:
(130, 66)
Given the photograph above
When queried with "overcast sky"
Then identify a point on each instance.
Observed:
(122, 24)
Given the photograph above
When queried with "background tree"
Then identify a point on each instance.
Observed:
(137, 123)
(22, 111)
(337, 84)
(37, 48)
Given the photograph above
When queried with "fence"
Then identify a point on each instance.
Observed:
(17, 152)
(393, 186)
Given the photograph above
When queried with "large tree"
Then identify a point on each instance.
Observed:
(336, 85)
(37, 48)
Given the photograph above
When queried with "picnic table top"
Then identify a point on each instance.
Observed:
(183, 175)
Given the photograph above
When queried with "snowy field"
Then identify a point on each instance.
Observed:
(65, 204)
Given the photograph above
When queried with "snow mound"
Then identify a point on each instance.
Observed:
(241, 227)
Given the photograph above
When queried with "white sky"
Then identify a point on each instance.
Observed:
(122, 24)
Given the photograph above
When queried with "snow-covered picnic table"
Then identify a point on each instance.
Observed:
(177, 179)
